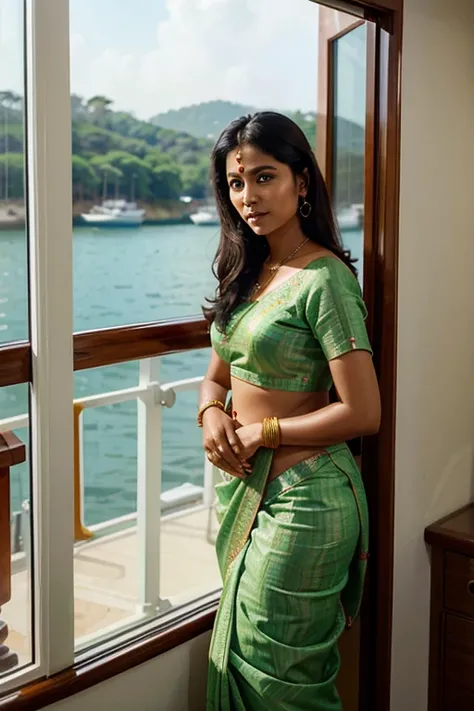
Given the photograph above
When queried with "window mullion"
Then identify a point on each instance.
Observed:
(50, 274)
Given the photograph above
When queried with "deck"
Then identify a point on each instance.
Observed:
(106, 578)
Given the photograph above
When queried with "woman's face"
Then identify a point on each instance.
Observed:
(265, 193)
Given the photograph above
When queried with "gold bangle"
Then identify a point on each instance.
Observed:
(271, 434)
(206, 406)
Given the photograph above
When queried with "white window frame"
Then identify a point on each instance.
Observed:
(49, 226)
(48, 160)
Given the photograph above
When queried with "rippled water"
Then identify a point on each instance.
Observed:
(122, 277)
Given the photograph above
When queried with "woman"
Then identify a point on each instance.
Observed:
(288, 322)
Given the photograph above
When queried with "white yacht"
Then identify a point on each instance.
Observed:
(116, 213)
(351, 218)
(205, 216)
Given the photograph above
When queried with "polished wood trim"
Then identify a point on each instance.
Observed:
(345, 31)
(82, 676)
(386, 6)
(391, 5)
(379, 451)
(5, 547)
(455, 531)
(380, 289)
(370, 173)
(372, 9)
(94, 349)
(368, 631)
(15, 364)
(452, 560)
(12, 450)
(324, 135)
(330, 120)
(436, 625)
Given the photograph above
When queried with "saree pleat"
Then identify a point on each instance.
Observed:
(292, 555)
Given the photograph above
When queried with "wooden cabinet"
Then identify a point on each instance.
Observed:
(12, 452)
(451, 675)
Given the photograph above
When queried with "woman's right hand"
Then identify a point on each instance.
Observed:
(222, 444)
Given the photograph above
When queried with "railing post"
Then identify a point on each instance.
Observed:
(12, 451)
(81, 533)
(149, 458)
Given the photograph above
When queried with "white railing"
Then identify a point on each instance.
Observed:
(151, 396)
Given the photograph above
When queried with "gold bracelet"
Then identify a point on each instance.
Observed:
(206, 406)
(271, 434)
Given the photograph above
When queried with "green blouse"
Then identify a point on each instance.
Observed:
(285, 340)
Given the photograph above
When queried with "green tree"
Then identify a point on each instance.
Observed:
(108, 172)
(99, 107)
(84, 178)
(90, 140)
(9, 101)
(195, 179)
(12, 170)
(78, 108)
(166, 182)
(135, 171)
(156, 157)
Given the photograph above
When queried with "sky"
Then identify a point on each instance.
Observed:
(152, 55)
(149, 56)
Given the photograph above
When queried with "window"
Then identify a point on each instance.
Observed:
(145, 230)
(109, 427)
(16, 609)
(348, 171)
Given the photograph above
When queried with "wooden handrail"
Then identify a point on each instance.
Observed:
(93, 349)
(109, 346)
(12, 451)
(15, 364)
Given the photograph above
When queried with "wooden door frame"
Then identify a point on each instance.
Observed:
(382, 151)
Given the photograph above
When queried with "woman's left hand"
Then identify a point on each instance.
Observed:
(251, 439)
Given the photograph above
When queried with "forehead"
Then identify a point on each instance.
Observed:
(251, 156)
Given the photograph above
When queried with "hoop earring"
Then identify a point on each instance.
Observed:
(305, 209)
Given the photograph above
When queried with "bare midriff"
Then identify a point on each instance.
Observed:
(252, 403)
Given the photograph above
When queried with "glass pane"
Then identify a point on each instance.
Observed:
(188, 561)
(16, 607)
(13, 272)
(148, 101)
(349, 138)
(109, 563)
(16, 643)
(105, 554)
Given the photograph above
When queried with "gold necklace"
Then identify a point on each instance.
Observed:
(274, 270)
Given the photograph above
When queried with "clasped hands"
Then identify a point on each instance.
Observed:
(228, 444)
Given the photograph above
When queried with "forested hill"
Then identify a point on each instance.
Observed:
(208, 119)
(113, 154)
(116, 154)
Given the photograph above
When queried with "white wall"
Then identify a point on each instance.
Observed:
(175, 681)
(435, 418)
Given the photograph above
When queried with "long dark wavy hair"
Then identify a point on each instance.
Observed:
(241, 253)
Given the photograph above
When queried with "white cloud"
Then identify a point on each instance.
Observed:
(11, 45)
(260, 52)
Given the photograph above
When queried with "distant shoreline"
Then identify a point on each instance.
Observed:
(161, 212)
